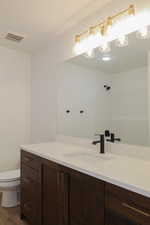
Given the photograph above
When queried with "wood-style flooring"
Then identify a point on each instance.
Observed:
(10, 216)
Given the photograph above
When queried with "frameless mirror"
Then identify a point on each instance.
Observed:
(107, 92)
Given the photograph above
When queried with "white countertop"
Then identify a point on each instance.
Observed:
(127, 172)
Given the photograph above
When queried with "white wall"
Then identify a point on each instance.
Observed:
(81, 88)
(14, 105)
(130, 106)
(44, 97)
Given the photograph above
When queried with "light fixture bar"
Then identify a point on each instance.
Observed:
(103, 26)
(140, 23)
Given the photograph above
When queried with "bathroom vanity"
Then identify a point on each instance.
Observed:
(59, 189)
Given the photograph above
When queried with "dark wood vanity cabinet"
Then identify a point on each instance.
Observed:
(52, 194)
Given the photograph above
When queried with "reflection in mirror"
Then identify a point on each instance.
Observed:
(112, 91)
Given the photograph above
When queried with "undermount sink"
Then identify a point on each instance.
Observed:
(89, 156)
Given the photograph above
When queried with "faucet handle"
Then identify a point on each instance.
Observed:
(113, 139)
(107, 133)
(118, 139)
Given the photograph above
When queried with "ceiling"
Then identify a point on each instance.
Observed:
(40, 20)
(135, 55)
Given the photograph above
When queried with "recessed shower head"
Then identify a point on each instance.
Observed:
(107, 87)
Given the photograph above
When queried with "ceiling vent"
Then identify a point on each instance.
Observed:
(14, 37)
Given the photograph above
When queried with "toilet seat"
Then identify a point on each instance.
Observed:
(9, 176)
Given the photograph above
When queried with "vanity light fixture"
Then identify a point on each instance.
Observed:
(94, 36)
(102, 34)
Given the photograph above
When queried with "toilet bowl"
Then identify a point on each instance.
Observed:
(9, 186)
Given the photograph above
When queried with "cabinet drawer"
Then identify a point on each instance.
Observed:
(128, 204)
(30, 160)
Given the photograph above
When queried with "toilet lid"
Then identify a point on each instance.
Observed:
(11, 175)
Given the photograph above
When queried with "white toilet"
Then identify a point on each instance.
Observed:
(9, 186)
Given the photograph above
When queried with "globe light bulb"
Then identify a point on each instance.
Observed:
(143, 33)
(109, 24)
(105, 47)
(76, 49)
(90, 53)
(122, 41)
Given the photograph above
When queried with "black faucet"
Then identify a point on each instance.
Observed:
(102, 143)
(112, 138)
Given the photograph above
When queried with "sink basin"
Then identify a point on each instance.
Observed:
(89, 156)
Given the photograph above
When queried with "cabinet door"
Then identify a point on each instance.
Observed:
(50, 195)
(55, 195)
(86, 200)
